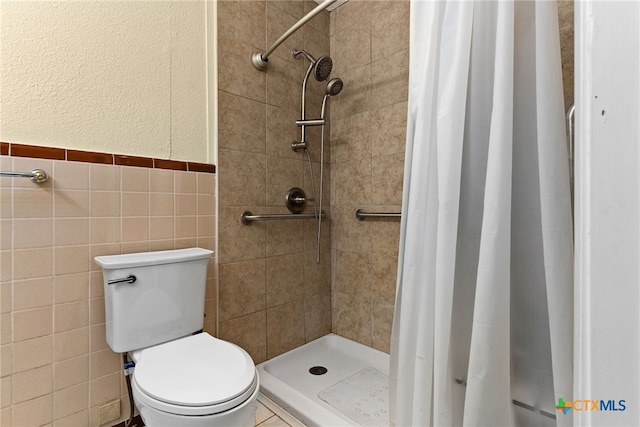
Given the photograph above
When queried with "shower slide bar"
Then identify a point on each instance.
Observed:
(260, 60)
(247, 217)
(361, 214)
(37, 175)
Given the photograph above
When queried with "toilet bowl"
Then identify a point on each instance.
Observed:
(195, 381)
(183, 377)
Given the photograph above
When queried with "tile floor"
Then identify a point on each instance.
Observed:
(267, 418)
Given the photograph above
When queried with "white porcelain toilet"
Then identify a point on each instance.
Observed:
(154, 307)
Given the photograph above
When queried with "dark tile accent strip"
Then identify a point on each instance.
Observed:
(169, 164)
(144, 162)
(89, 157)
(52, 153)
(19, 150)
(202, 167)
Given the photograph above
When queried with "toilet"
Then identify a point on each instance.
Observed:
(183, 377)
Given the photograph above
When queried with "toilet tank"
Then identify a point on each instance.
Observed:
(165, 302)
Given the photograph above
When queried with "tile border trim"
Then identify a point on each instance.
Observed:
(52, 153)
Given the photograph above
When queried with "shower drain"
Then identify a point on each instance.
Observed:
(317, 370)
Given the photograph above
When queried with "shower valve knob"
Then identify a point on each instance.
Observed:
(296, 200)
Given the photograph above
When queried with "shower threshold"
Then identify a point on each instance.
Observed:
(353, 391)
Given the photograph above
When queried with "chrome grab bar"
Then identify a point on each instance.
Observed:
(361, 214)
(247, 217)
(37, 175)
(129, 279)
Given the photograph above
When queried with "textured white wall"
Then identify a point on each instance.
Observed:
(119, 77)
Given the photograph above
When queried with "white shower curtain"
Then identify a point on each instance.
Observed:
(485, 288)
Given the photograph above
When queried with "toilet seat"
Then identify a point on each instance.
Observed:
(141, 397)
(195, 375)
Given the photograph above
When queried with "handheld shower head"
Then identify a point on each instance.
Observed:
(334, 87)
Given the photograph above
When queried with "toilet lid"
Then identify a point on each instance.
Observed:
(198, 370)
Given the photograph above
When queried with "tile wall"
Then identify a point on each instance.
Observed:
(370, 47)
(273, 296)
(56, 368)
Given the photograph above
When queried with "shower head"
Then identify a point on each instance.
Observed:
(334, 87)
(322, 69)
(321, 66)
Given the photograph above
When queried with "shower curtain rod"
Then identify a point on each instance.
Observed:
(260, 59)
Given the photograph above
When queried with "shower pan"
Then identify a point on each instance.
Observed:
(323, 383)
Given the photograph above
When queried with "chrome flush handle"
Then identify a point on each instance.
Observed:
(129, 279)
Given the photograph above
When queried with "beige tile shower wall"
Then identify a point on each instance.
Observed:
(369, 43)
(273, 296)
(56, 367)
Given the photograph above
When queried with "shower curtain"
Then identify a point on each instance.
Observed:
(483, 315)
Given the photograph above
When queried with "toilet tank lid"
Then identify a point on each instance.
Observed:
(152, 258)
